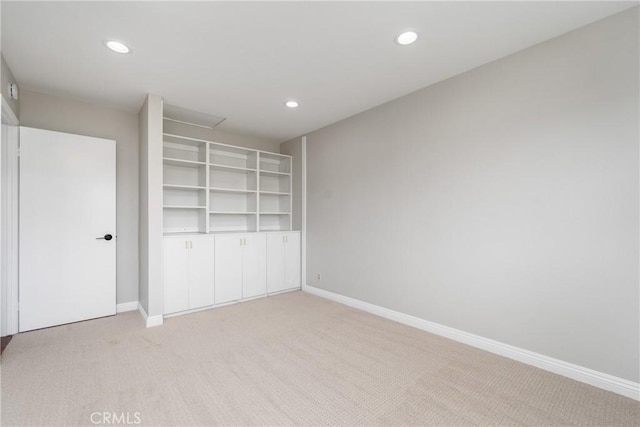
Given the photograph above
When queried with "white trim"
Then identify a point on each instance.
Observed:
(8, 116)
(9, 302)
(126, 306)
(211, 307)
(199, 309)
(303, 213)
(240, 147)
(579, 373)
(283, 291)
(149, 320)
(224, 304)
(154, 321)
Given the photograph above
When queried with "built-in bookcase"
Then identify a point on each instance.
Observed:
(184, 177)
(210, 187)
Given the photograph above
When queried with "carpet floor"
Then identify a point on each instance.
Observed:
(291, 359)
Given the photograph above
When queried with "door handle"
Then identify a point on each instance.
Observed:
(105, 237)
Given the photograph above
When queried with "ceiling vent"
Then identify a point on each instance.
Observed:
(190, 117)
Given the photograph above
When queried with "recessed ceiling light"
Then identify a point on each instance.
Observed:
(117, 46)
(407, 37)
(291, 104)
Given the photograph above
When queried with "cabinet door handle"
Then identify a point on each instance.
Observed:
(186, 244)
(190, 244)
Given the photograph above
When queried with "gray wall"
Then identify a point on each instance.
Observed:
(6, 77)
(294, 149)
(61, 114)
(502, 202)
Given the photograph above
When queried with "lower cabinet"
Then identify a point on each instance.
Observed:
(205, 270)
(254, 266)
(240, 261)
(188, 273)
(283, 261)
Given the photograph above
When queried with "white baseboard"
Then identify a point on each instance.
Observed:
(224, 304)
(272, 294)
(579, 373)
(150, 320)
(126, 306)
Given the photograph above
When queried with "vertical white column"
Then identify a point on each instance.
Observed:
(207, 216)
(303, 202)
(258, 191)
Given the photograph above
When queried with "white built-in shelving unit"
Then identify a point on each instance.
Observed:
(226, 220)
(209, 187)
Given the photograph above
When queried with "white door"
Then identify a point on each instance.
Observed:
(67, 228)
(228, 268)
(176, 274)
(275, 262)
(201, 271)
(292, 261)
(254, 265)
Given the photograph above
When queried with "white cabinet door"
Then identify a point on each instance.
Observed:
(201, 271)
(254, 265)
(176, 275)
(292, 260)
(275, 262)
(228, 268)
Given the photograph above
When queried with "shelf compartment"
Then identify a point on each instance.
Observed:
(232, 202)
(232, 179)
(184, 149)
(232, 213)
(186, 187)
(184, 197)
(275, 163)
(273, 173)
(230, 190)
(183, 163)
(275, 202)
(232, 222)
(188, 219)
(275, 183)
(184, 174)
(275, 222)
(238, 169)
(224, 155)
(282, 193)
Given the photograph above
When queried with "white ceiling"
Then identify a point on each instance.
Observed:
(242, 60)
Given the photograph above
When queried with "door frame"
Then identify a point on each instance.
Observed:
(9, 280)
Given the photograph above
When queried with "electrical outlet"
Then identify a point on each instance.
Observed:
(318, 277)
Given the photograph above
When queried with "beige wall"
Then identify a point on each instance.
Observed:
(294, 149)
(61, 114)
(502, 202)
(6, 77)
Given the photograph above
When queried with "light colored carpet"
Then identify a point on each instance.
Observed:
(292, 359)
